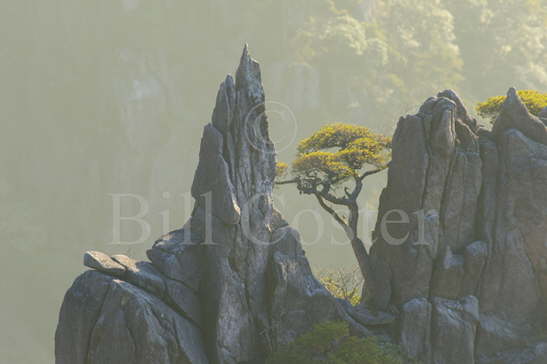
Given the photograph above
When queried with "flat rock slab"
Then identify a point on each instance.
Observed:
(103, 263)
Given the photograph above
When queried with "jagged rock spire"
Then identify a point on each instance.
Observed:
(227, 288)
(248, 262)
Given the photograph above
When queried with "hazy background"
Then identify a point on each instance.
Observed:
(110, 96)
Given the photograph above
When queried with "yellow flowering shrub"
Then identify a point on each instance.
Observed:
(281, 169)
(338, 151)
(343, 283)
(535, 101)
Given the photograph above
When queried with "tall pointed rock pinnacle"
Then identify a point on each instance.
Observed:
(229, 287)
(250, 258)
(255, 275)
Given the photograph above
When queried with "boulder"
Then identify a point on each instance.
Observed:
(107, 320)
(454, 324)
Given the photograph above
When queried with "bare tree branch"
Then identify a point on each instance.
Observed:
(325, 194)
(370, 173)
(295, 180)
(334, 214)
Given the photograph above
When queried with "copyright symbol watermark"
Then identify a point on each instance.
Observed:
(280, 116)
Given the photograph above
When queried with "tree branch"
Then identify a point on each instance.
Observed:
(325, 194)
(334, 214)
(295, 180)
(370, 173)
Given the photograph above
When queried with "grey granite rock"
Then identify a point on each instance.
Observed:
(449, 274)
(515, 115)
(496, 335)
(103, 263)
(453, 328)
(107, 320)
(463, 281)
(535, 353)
(368, 317)
(484, 236)
(230, 286)
(415, 329)
(178, 257)
(543, 115)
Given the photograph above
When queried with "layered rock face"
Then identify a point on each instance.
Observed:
(229, 287)
(465, 261)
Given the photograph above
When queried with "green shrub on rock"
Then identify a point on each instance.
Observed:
(331, 343)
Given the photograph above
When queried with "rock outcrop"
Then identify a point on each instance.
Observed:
(229, 287)
(461, 278)
(468, 270)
